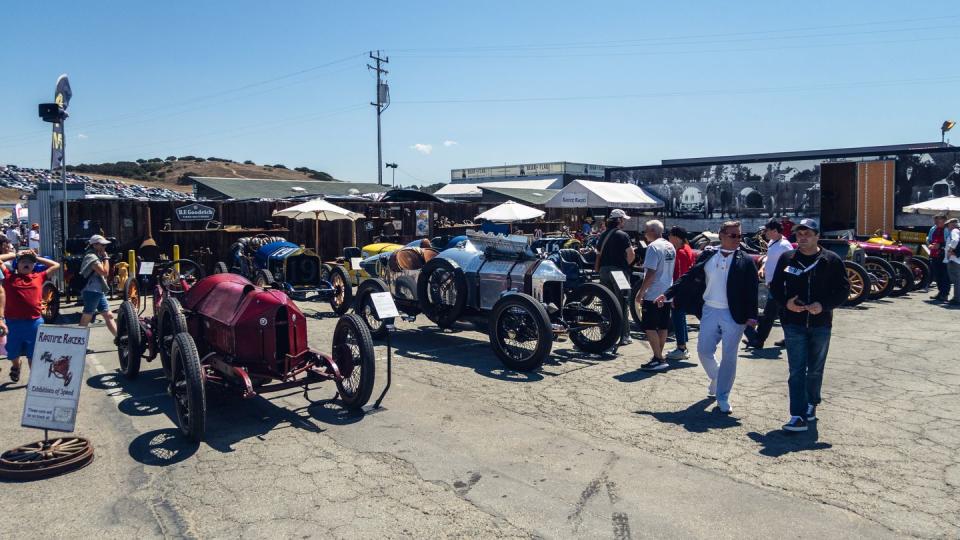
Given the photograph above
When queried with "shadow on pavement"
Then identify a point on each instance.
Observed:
(766, 353)
(777, 442)
(696, 418)
(161, 447)
(638, 375)
(10, 386)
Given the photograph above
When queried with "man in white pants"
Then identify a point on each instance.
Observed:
(722, 289)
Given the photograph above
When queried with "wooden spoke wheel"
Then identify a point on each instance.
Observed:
(50, 302)
(43, 459)
(131, 293)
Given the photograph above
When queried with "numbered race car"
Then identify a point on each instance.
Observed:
(271, 261)
(224, 330)
(520, 295)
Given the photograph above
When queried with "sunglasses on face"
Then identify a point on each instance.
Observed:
(734, 235)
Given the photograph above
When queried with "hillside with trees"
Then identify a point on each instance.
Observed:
(176, 170)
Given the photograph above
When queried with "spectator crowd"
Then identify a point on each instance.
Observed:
(26, 179)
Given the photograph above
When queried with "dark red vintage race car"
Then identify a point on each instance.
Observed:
(225, 330)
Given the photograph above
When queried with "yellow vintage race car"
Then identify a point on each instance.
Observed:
(358, 274)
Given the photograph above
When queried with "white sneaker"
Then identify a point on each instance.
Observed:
(724, 406)
(712, 389)
(678, 354)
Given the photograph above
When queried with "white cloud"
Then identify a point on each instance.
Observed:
(82, 136)
(425, 149)
(448, 143)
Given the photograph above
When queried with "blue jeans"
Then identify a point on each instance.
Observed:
(806, 354)
(94, 302)
(680, 327)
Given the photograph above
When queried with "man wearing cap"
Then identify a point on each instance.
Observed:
(777, 245)
(23, 311)
(33, 237)
(935, 243)
(658, 263)
(615, 253)
(95, 266)
(810, 283)
(951, 236)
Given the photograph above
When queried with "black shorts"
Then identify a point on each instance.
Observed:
(655, 317)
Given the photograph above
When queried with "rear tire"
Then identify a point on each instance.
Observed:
(517, 319)
(263, 278)
(363, 307)
(342, 298)
(882, 277)
(170, 322)
(220, 268)
(610, 314)
(921, 272)
(353, 354)
(903, 279)
(438, 281)
(129, 341)
(189, 394)
(859, 280)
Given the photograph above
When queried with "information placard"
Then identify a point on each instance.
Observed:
(53, 391)
(621, 280)
(384, 305)
(355, 263)
(146, 268)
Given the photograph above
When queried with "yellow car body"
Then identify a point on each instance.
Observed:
(357, 275)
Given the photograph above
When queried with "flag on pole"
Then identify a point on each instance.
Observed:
(62, 98)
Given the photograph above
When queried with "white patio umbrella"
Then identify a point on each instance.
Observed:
(318, 210)
(949, 205)
(509, 212)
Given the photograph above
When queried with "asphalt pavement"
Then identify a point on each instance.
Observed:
(587, 447)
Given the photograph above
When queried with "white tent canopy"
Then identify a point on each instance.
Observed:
(319, 210)
(592, 194)
(949, 205)
(509, 212)
(472, 191)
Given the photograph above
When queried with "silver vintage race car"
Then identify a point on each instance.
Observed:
(520, 294)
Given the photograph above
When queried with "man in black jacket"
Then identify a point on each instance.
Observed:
(721, 289)
(810, 283)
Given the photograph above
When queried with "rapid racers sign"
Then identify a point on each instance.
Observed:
(56, 375)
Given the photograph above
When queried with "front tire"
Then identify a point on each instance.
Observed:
(131, 292)
(903, 279)
(442, 292)
(602, 324)
(364, 307)
(353, 354)
(342, 298)
(859, 280)
(129, 341)
(921, 273)
(189, 394)
(170, 322)
(882, 277)
(520, 332)
(263, 278)
(50, 302)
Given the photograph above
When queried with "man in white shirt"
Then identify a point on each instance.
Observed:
(657, 278)
(777, 245)
(33, 237)
(13, 234)
(951, 237)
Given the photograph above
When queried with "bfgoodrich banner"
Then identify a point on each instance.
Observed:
(56, 376)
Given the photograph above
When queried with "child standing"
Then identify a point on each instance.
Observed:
(22, 289)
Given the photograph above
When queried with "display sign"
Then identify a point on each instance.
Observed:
(355, 263)
(621, 280)
(56, 376)
(423, 222)
(195, 212)
(384, 305)
(146, 268)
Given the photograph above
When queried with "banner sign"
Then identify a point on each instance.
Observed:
(56, 376)
(423, 222)
(62, 98)
(195, 212)
(574, 198)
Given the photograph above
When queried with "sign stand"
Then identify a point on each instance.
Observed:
(51, 402)
(624, 285)
(385, 308)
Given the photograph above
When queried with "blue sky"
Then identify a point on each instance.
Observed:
(474, 84)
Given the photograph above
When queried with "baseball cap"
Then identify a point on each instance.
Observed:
(618, 213)
(952, 220)
(808, 223)
(98, 239)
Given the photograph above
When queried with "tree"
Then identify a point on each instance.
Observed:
(280, 166)
(249, 162)
(171, 158)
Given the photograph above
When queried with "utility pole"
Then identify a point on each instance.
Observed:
(393, 173)
(383, 101)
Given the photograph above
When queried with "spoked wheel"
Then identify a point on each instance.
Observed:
(171, 322)
(131, 293)
(173, 279)
(920, 271)
(364, 307)
(189, 394)
(520, 332)
(342, 291)
(129, 340)
(595, 318)
(859, 280)
(442, 292)
(636, 303)
(903, 279)
(881, 277)
(325, 272)
(50, 302)
(43, 459)
(353, 354)
(264, 278)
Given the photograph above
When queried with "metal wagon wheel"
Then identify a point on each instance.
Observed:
(43, 459)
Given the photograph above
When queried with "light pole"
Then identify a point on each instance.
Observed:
(947, 126)
(393, 173)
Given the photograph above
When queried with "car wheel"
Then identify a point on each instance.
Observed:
(170, 322)
(881, 277)
(597, 321)
(342, 298)
(363, 306)
(131, 293)
(220, 268)
(920, 271)
(442, 292)
(903, 279)
(263, 278)
(520, 332)
(859, 280)
(50, 302)
(353, 354)
(129, 340)
(189, 394)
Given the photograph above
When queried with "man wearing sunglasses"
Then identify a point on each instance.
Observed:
(721, 289)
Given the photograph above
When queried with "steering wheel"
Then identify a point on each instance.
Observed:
(180, 281)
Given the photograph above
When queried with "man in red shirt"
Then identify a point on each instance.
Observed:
(936, 240)
(685, 259)
(22, 289)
